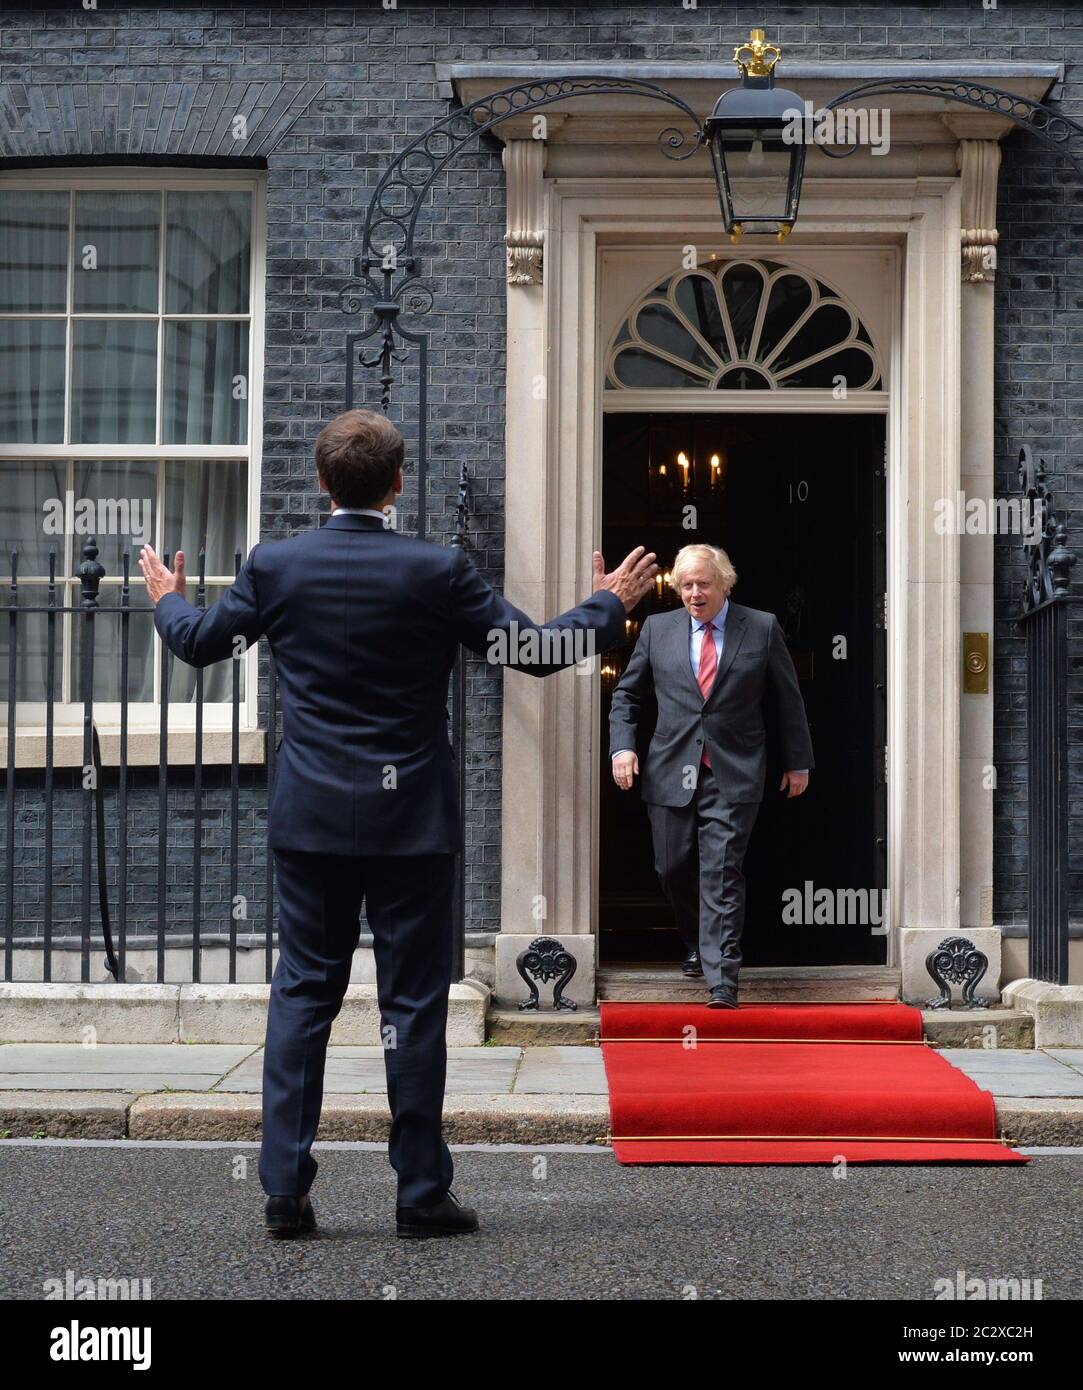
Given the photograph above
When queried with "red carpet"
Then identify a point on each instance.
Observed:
(789, 1083)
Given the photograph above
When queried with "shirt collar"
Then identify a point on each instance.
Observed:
(358, 511)
(719, 619)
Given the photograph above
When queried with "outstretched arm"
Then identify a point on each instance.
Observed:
(494, 628)
(201, 636)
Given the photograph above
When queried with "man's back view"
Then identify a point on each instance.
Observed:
(364, 624)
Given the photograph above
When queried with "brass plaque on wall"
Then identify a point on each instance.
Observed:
(976, 663)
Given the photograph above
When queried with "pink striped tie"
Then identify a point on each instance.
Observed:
(708, 665)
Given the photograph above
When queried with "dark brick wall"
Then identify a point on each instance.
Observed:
(378, 71)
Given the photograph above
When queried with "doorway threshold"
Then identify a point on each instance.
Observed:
(774, 984)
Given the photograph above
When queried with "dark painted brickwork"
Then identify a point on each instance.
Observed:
(378, 71)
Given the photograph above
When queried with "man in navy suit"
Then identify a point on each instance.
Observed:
(364, 624)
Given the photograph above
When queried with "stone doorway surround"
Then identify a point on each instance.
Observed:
(590, 178)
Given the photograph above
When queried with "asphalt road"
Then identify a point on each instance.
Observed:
(562, 1225)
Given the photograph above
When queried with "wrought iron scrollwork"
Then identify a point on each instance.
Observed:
(399, 196)
(957, 961)
(397, 200)
(387, 302)
(546, 959)
(1049, 560)
(1060, 131)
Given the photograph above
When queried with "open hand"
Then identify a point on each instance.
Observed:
(630, 580)
(160, 580)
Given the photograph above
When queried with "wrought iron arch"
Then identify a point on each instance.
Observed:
(388, 237)
(1059, 131)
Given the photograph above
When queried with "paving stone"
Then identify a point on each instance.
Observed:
(564, 1055)
(1068, 1056)
(108, 1081)
(160, 1058)
(569, 1081)
(1018, 1074)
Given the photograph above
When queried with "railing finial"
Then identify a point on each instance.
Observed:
(91, 573)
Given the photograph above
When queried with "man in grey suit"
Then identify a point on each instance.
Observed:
(713, 664)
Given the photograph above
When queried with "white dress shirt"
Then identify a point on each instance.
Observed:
(361, 511)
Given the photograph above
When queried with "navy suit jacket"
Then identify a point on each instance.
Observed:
(364, 624)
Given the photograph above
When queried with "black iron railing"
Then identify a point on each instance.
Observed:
(102, 800)
(136, 856)
(1044, 620)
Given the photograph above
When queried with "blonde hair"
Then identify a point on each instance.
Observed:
(711, 555)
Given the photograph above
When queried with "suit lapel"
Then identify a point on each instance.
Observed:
(736, 626)
(681, 635)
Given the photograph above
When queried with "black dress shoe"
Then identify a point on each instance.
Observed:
(691, 964)
(722, 998)
(287, 1217)
(447, 1218)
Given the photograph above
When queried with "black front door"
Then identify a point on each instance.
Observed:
(797, 501)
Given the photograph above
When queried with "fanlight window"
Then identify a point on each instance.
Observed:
(744, 326)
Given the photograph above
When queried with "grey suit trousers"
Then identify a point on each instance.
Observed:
(699, 854)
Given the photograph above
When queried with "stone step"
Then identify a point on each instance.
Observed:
(203, 1013)
(546, 1028)
(1011, 1028)
(790, 984)
(996, 1027)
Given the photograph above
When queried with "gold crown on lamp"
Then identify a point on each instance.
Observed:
(751, 56)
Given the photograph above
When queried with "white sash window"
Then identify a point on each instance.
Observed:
(130, 384)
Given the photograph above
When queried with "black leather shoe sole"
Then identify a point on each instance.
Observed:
(409, 1231)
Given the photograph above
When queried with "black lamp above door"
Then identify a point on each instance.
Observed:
(757, 149)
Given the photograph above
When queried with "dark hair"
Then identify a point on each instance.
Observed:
(357, 456)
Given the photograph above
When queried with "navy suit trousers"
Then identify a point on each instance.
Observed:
(408, 901)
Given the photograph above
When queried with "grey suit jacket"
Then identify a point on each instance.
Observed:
(755, 663)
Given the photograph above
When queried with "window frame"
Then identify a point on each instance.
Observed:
(777, 396)
(143, 716)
